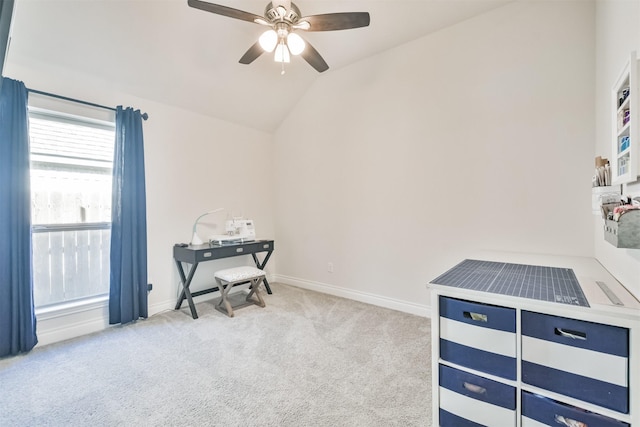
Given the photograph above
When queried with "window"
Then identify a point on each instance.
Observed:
(71, 170)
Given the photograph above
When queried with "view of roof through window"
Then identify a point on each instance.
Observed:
(71, 170)
(54, 136)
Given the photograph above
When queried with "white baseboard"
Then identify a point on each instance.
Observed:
(68, 323)
(70, 331)
(75, 321)
(373, 299)
(160, 307)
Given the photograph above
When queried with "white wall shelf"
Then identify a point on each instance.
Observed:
(625, 126)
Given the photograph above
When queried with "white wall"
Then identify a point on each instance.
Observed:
(617, 34)
(193, 164)
(477, 137)
(394, 169)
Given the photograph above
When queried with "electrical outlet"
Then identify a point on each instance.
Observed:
(330, 267)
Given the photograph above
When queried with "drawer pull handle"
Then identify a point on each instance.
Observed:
(475, 316)
(474, 388)
(567, 333)
(569, 422)
(239, 250)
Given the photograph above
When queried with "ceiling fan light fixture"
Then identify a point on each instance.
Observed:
(268, 40)
(283, 17)
(295, 43)
(282, 54)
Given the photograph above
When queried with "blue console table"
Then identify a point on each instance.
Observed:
(192, 255)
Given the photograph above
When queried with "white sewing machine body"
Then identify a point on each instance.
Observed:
(238, 230)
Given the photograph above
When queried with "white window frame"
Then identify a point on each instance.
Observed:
(89, 301)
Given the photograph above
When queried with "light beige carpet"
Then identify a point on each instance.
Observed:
(306, 359)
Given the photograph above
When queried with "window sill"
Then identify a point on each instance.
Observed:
(72, 307)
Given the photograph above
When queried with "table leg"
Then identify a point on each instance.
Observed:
(185, 293)
(261, 267)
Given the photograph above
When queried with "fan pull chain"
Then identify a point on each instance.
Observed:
(282, 47)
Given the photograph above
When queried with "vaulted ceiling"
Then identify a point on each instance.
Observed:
(165, 51)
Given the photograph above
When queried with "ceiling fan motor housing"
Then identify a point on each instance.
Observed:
(292, 15)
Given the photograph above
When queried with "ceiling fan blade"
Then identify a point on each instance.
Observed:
(311, 55)
(252, 54)
(337, 21)
(224, 10)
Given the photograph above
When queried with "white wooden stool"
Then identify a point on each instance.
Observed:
(230, 277)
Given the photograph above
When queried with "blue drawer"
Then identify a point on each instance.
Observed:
(584, 360)
(552, 413)
(588, 335)
(478, 336)
(471, 400)
(477, 314)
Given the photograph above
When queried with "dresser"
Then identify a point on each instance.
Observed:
(533, 340)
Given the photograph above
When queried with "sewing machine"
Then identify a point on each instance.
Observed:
(238, 230)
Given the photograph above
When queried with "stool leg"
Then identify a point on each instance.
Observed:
(255, 284)
(223, 298)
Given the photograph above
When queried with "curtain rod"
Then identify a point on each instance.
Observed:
(145, 116)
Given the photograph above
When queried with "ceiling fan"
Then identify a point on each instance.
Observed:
(284, 18)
